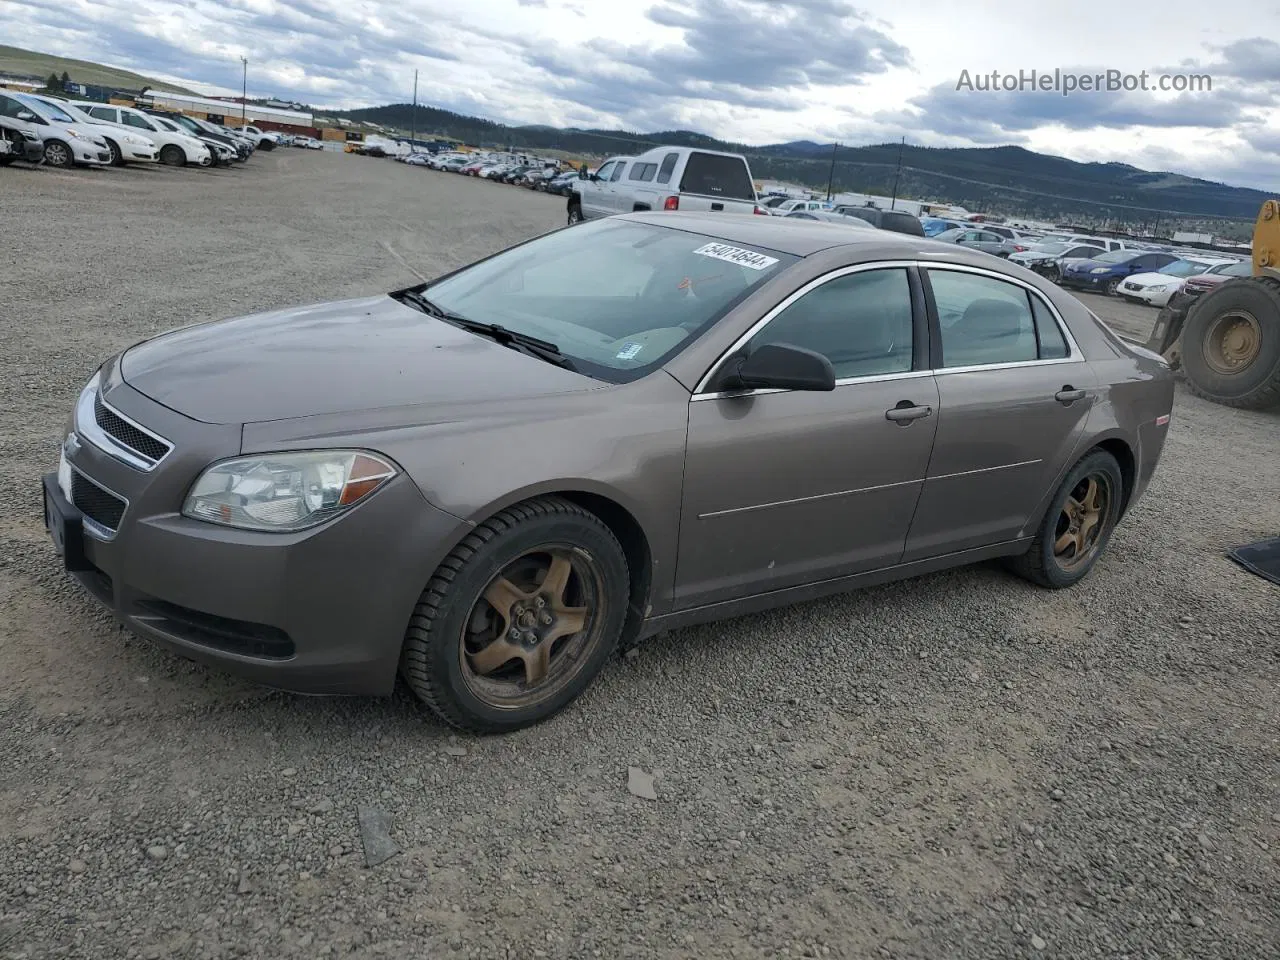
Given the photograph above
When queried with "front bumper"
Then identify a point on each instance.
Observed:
(319, 611)
(1086, 281)
(89, 154)
(141, 155)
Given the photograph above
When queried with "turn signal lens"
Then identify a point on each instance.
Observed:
(284, 492)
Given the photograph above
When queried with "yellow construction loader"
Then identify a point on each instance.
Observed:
(1227, 340)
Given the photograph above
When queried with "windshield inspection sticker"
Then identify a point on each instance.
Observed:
(629, 351)
(743, 258)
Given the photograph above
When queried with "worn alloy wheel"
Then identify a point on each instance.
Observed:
(57, 154)
(117, 158)
(1077, 524)
(519, 618)
(1080, 521)
(1113, 287)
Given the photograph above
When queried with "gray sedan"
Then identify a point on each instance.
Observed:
(983, 240)
(488, 482)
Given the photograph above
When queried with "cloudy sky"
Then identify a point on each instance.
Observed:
(756, 71)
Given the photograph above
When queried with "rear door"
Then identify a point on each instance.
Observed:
(716, 182)
(1014, 394)
(788, 487)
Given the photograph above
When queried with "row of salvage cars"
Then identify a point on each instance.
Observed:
(39, 128)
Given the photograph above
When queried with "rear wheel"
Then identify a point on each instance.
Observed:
(172, 155)
(57, 154)
(519, 618)
(1076, 526)
(1231, 344)
(1113, 286)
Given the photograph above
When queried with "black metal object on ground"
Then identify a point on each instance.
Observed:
(1262, 558)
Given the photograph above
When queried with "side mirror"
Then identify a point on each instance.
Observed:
(782, 366)
(26, 115)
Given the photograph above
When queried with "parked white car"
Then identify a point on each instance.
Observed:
(175, 148)
(799, 206)
(666, 178)
(66, 142)
(308, 143)
(257, 135)
(126, 145)
(1106, 243)
(1157, 287)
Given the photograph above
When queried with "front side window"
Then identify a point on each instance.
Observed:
(133, 120)
(617, 297)
(606, 171)
(617, 172)
(861, 322)
(983, 320)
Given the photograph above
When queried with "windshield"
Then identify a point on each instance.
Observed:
(617, 298)
(1183, 268)
(47, 110)
(1115, 256)
(1242, 269)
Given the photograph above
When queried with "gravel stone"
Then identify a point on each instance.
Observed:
(157, 852)
(907, 844)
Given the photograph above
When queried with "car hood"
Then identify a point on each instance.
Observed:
(1205, 281)
(332, 358)
(1154, 279)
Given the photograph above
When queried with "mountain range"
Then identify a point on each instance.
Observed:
(1009, 179)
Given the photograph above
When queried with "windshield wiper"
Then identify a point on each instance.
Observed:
(534, 346)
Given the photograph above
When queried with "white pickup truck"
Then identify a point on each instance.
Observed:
(666, 178)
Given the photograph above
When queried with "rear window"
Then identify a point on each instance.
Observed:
(862, 213)
(714, 175)
(901, 222)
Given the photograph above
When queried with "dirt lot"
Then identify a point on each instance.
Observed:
(958, 766)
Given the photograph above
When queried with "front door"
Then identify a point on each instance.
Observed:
(1014, 396)
(789, 487)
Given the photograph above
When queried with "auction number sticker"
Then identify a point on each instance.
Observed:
(743, 258)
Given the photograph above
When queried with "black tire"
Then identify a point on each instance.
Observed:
(453, 615)
(117, 158)
(1251, 305)
(575, 212)
(58, 155)
(1113, 287)
(173, 155)
(266, 144)
(7, 159)
(1044, 563)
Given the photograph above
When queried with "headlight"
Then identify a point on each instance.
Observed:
(283, 492)
(1099, 270)
(1163, 286)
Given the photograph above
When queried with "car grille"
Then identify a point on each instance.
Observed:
(102, 507)
(1133, 286)
(126, 434)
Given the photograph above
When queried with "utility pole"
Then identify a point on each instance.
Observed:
(244, 90)
(832, 172)
(413, 116)
(893, 202)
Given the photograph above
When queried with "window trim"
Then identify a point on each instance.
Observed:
(921, 270)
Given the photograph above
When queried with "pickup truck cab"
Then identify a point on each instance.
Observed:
(665, 178)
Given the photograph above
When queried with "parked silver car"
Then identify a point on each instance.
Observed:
(488, 482)
(67, 142)
(983, 240)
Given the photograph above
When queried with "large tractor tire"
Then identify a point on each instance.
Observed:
(1231, 344)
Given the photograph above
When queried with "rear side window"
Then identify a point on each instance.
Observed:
(717, 176)
(1053, 346)
(668, 166)
(102, 113)
(982, 320)
(643, 171)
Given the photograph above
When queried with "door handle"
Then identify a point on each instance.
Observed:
(1069, 394)
(906, 412)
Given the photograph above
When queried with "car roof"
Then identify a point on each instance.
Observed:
(802, 238)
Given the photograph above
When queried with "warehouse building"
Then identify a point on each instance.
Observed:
(230, 112)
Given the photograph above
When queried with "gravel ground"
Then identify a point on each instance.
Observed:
(958, 766)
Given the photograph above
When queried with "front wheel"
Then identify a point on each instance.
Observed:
(172, 155)
(57, 154)
(1113, 287)
(1077, 525)
(117, 158)
(575, 213)
(519, 618)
